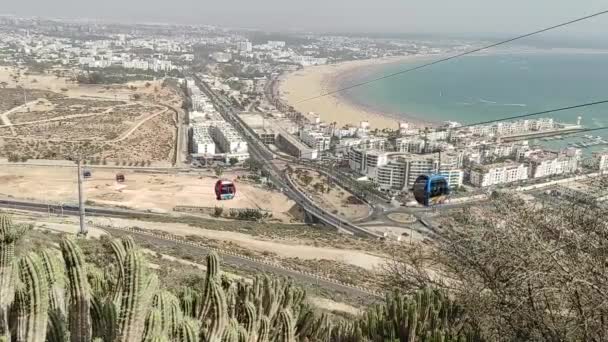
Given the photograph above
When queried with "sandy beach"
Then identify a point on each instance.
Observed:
(315, 80)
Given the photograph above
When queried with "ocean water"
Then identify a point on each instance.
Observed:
(479, 88)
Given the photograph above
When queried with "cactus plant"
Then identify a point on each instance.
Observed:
(9, 234)
(54, 271)
(80, 296)
(216, 319)
(133, 297)
(286, 330)
(31, 301)
(124, 304)
(264, 331)
(170, 312)
(188, 331)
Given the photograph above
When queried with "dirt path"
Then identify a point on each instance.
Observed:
(72, 228)
(282, 249)
(7, 122)
(126, 134)
(63, 118)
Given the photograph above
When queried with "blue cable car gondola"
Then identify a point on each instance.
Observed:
(430, 190)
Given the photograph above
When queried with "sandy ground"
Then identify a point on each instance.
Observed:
(114, 122)
(282, 249)
(69, 226)
(66, 87)
(335, 200)
(158, 192)
(316, 80)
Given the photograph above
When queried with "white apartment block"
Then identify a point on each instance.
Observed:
(513, 127)
(136, 64)
(202, 143)
(315, 140)
(544, 163)
(244, 46)
(498, 173)
(308, 60)
(601, 160)
(398, 171)
(276, 44)
(227, 138)
(370, 143)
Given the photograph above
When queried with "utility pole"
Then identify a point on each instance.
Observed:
(83, 228)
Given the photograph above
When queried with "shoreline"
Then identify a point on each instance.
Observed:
(312, 81)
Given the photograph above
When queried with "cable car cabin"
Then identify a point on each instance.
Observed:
(430, 190)
(224, 190)
(120, 178)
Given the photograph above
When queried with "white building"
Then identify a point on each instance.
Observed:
(160, 65)
(227, 138)
(398, 171)
(315, 140)
(369, 143)
(308, 60)
(202, 143)
(221, 57)
(545, 163)
(244, 46)
(136, 64)
(498, 173)
(513, 127)
(601, 160)
(276, 44)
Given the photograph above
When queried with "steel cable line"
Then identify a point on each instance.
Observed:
(468, 52)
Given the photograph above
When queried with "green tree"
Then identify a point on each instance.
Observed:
(219, 171)
(233, 161)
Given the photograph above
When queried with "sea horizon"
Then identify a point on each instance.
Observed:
(485, 87)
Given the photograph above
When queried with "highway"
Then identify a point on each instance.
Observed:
(275, 167)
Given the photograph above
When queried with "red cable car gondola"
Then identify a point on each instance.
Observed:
(224, 190)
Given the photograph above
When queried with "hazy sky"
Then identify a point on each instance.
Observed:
(411, 16)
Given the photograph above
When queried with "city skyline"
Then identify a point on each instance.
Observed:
(468, 17)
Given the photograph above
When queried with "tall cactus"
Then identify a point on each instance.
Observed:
(189, 302)
(54, 271)
(188, 331)
(56, 328)
(428, 315)
(153, 326)
(80, 297)
(31, 301)
(250, 321)
(104, 316)
(133, 299)
(264, 330)
(9, 234)
(170, 312)
(286, 329)
(215, 321)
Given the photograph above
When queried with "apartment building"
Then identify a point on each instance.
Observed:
(601, 160)
(316, 140)
(547, 163)
(498, 173)
(202, 143)
(398, 171)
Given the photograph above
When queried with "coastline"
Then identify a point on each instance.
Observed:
(345, 110)
(315, 80)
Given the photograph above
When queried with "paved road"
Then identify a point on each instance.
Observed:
(275, 167)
